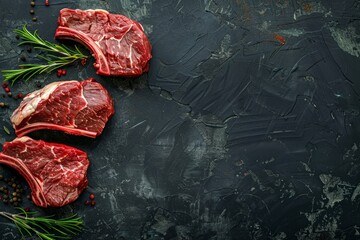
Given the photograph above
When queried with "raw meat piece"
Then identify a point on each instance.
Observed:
(56, 173)
(78, 108)
(118, 43)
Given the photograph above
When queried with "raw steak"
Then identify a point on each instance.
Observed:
(78, 108)
(118, 43)
(55, 172)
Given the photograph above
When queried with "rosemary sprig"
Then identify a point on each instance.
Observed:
(27, 71)
(56, 56)
(39, 43)
(44, 227)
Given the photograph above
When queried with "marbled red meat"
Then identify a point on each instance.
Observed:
(56, 173)
(78, 108)
(118, 43)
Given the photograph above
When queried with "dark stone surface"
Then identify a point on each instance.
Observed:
(231, 134)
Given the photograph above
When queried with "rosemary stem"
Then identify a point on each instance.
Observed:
(6, 215)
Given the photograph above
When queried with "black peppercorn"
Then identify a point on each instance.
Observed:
(32, 4)
(34, 19)
(32, 11)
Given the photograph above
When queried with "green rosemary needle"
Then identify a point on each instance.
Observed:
(56, 56)
(44, 227)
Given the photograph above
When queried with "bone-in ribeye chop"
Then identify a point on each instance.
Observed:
(78, 108)
(56, 173)
(118, 43)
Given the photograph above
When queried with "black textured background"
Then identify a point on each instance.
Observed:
(231, 134)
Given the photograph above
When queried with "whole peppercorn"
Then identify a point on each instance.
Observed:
(34, 19)
(93, 203)
(32, 4)
(59, 72)
(32, 11)
(83, 62)
(92, 196)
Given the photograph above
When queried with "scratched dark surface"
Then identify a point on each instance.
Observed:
(247, 125)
